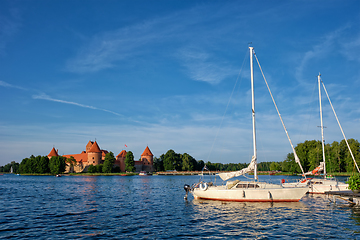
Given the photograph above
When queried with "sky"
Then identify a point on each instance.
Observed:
(175, 75)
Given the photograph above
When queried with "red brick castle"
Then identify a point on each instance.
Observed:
(93, 155)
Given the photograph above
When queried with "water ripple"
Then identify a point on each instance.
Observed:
(78, 207)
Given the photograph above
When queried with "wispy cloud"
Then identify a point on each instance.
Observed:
(202, 66)
(107, 48)
(8, 85)
(48, 98)
(321, 50)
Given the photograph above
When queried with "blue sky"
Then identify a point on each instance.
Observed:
(161, 73)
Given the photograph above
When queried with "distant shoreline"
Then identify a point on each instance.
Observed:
(183, 173)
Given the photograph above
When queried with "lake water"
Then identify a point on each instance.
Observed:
(153, 207)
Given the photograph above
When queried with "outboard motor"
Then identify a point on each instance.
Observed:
(187, 189)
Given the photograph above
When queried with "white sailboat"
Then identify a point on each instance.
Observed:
(248, 191)
(326, 184)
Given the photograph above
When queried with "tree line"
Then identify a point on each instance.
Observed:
(185, 162)
(57, 165)
(337, 155)
(338, 159)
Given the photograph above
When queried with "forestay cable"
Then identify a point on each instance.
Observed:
(340, 127)
(297, 160)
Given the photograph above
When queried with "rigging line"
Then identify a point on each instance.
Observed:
(237, 79)
(292, 146)
(340, 127)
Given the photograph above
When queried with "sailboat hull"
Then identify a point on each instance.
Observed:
(262, 193)
(320, 186)
(325, 185)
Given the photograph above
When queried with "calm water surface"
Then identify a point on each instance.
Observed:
(153, 207)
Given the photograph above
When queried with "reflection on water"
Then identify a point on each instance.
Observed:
(153, 207)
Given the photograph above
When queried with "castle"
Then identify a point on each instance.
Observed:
(93, 155)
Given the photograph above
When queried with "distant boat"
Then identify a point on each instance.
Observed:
(144, 173)
(328, 183)
(11, 170)
(58, 175)
(247, 191)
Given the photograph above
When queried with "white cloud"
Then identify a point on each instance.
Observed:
(48, 98)
(8, 85)
(202, 66)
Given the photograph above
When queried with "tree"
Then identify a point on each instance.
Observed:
(71, 162)
(200, 164)
(7, 168)
(347, 158)
(91, 169)
(43, 165)
(159, 163)
(28, 165)
(172, 161)
(57, 165)
(108, 162)
(129, 162)
(336, 165)
(275, 166)
(188, 162)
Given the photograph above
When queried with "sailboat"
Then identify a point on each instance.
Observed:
(248, 191)
(327, 184)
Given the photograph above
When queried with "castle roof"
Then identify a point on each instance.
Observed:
(95, 148)
(121, 154)
(82, 157)
(147, 152)
(104, 152)
(53, 153)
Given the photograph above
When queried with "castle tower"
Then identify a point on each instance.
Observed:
(121, 158)
(94, 154)
(147, 160)
(53, 153)
(89, 145)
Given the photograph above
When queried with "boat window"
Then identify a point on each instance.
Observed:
(318, 182)
(244, 185)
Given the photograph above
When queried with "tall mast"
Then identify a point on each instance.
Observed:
(253, 109)
(322, 126)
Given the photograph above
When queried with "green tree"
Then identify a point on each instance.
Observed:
(288, 165)
(129, 162)
(315, 157)
(159, 163)
(71, 163)
(200, 165)
(99, 168)
(172, 161)
(91, 169)
(57, 165)
(108, 163)
(335, 162)
(188, 162)
(28, 165)
(7, 168)
(275, 166)
(348, 160)
(43, 165)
